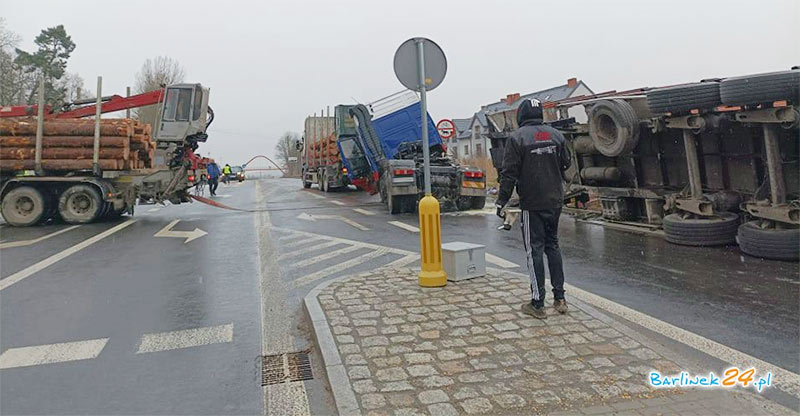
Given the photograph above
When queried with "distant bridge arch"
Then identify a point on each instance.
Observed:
(277, 167)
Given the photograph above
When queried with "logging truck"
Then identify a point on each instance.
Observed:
(60, 164)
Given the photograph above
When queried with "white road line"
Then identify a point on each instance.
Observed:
(467, 213)
(299, 242)
(339, 267)
(290, 237)
(24, 243)
(403, 261)
(784, 379)
(16, 277)
(498, 261)
(407, 227)
(186, 338)
(222, 196)
(354, 224)
(308, 249)
(363, 211)
(153, 209)
(52, 353)
(340, 203)
(346, 241)
(325, 256)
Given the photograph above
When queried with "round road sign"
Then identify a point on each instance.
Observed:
(446, 128)
(406, 66)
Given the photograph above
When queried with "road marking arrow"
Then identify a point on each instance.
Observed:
(348, 221)
(188, 235)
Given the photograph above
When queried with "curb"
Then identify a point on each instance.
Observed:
(343, 395)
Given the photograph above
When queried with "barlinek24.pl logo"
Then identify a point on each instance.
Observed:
(730, 378)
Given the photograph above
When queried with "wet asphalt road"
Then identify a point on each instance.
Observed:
(243, 276)
(123, 287)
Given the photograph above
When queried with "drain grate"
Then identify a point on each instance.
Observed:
(284, 368)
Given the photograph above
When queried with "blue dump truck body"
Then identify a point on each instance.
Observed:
(403, 126)
(386, 157)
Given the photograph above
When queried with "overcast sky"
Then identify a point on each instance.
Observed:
(269, 64)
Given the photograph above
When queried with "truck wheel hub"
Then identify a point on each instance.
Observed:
(24, 205)
(80, 203)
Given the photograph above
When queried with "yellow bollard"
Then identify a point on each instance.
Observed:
(430, 241)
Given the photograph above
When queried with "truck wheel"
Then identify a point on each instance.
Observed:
(23, 206)
(478, 202)
(761, 88)
(463, 203)
(80, 204)
(323, 184)
(682, 99)
(412, 204)
(395, 204)
(769, 243)
(613, 127)
(714, 231)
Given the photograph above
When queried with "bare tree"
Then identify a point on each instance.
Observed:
(287, 153)
(161, 70)
(13, 80)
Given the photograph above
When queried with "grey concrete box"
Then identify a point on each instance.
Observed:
(462, 261)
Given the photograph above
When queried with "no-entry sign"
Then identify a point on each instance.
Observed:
(446, 128)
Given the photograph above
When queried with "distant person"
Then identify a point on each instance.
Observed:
(534, 158)
(226, 173)
(213, 178)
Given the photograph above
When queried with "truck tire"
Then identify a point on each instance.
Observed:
(23, 206)
(410, 202)
(478, 202)
(714, 231)
(681, 99)
(761, 88)
(80, 204)
(463, 203)
(613, 127)
(769, 243)
(306, 184)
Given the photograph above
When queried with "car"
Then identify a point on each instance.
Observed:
(237, 173)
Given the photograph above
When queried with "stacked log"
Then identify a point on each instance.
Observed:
(324, 151)
(68, 144)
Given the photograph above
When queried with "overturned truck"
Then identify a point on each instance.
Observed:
(712, 162)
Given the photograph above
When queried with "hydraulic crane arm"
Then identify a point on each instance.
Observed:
(114, 103)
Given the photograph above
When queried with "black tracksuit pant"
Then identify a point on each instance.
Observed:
(540, 236)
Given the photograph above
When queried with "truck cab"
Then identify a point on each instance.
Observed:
(183, 114)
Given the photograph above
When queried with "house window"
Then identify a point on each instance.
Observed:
(478, 149)
(466, 150)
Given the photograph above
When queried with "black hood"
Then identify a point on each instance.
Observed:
(528, 114)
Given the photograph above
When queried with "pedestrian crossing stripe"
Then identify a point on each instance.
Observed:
(186, 338)
(52, 353)
(63, 352)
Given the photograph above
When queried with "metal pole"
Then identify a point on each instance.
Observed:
(98, 104)
(426, 152)
(777, 185)
(128, 94)
(39, 129)
(695, 185)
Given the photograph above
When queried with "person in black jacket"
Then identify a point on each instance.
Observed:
(534, 158)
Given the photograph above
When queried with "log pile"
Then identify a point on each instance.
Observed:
(68, 144)
(323, 151)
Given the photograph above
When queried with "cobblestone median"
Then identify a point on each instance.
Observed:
(467, 349)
